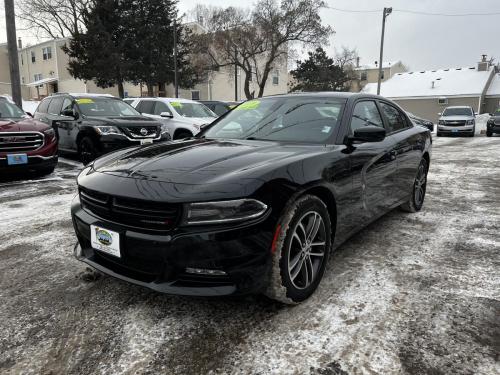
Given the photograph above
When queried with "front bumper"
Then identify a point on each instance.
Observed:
(455, 130)
(493, 128)
(160, 261)
(43, 158)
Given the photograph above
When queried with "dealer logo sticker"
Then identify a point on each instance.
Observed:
(103, 236)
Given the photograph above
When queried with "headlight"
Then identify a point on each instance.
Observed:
(49, 133)
(491, 121)
(224, 211)
(164, 129)
(107, 130)
(470, 122)
(441, 122)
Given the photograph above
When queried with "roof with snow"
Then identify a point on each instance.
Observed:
(494, 89)
(386, 64)
(447, 82)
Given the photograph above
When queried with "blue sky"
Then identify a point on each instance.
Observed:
(421, 42)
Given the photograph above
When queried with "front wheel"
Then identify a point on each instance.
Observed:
(87, 150)
(416, 200)
(182, 134)
(300, 250)
(489, 134)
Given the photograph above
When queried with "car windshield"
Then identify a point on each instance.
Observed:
(192, 109)
(10, 110)
(311, 120)
(105, 107)
(457, 112)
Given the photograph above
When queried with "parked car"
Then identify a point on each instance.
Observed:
(256, 202)
(420, 121)
(457, 120)
(92, 125)
(493, 124)
(217, 107)
(182, 117)
(25, 144)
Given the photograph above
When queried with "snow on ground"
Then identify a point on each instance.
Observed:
(410, 294)
(481, 121)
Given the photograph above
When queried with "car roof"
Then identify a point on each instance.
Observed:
(330, 94)
(459, 106)
(181, 100)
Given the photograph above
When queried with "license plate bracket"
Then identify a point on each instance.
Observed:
(17, 159)
(105, 240)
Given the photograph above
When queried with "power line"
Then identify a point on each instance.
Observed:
(416, 12)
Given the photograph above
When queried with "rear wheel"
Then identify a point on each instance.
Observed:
(416, 200)
(87, 150)
(182, 134)
(301, 250)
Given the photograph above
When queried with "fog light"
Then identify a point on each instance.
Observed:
(202, 271)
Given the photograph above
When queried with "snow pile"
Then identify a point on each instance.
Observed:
(433, 83)
(30, 106)
(481, 121)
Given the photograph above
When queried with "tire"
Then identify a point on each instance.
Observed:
(299, 262)
(489, 134)
(87, 150)
(182, 134)
(473, 132)
(439, 134)
(416, 200)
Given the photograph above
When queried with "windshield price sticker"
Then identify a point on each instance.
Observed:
(251, 104)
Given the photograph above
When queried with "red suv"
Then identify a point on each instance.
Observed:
(25, 143)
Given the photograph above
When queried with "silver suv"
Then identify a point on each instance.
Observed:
(457, 120)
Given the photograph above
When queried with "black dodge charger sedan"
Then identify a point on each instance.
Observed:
(254, 203)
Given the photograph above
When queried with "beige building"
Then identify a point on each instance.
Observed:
(492, 97)
(427, 93)
(369, 73)
(43, 71)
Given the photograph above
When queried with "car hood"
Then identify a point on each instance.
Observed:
(123, 120)
(202, 161)
(22, 125)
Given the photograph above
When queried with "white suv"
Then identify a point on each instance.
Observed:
(182, 118)
(457, 120)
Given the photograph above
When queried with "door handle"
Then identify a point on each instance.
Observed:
(393, 154)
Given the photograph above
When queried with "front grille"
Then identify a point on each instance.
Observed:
(142, 131)
(496, 122)
(455, 123)
(134, 213)
(20, 141)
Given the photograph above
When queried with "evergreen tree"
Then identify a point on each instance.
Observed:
(98, 54)
(319, 73)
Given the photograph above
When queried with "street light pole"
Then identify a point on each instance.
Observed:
(235, 74)
(387, 11)
(15, 80)
(176, 71)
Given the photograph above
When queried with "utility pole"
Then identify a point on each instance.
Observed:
(387, 11)
(235, 74)
(176, 70)
(15, 81)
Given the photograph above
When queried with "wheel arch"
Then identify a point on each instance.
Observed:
(327, 196)
(181, 130)
(427, 158)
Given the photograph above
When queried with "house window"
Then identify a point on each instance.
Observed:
(47, 53)
(33, 57)
(276, 78)
(442, 101)
(37, 77)
(364, 76)
(195, 95)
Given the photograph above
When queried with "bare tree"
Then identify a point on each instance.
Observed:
(54, 18)
(259, 40)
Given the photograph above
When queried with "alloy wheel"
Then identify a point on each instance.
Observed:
(420, 185)
(307, 250)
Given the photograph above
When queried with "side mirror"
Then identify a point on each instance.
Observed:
(166, 114)
(29, 114)
(440, 114)
(475, 113)
(70, 113)
(368, 134)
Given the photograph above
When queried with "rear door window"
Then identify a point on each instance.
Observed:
(161, 107)
(67, 104)
(146, 106)
(396, 121)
